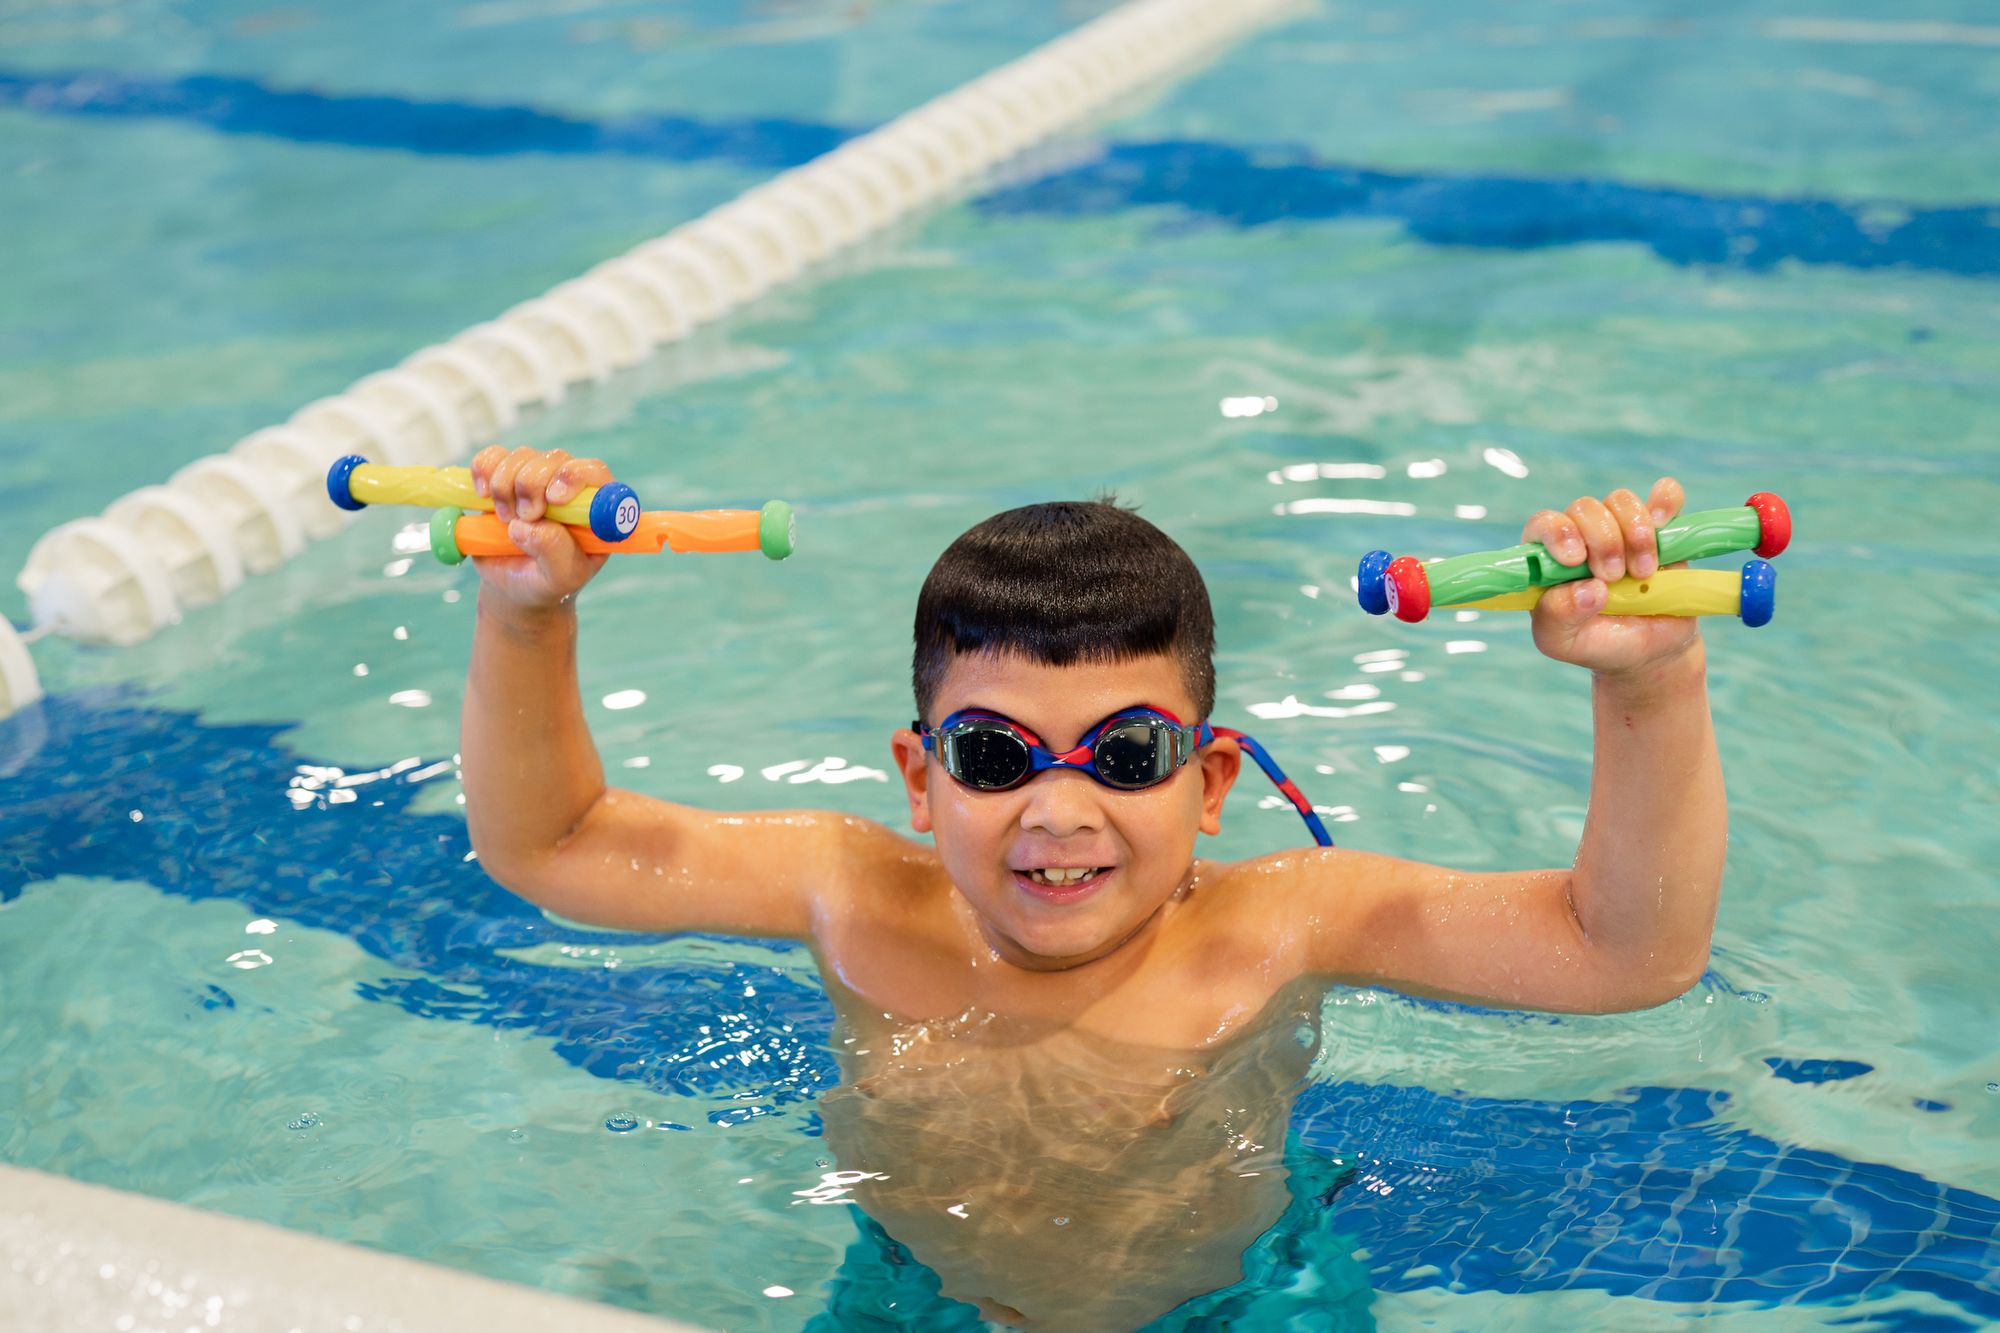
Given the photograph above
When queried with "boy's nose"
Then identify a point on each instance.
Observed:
(1061, 803)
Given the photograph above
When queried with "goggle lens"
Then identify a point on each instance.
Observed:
(1132, 753)
(985, 755)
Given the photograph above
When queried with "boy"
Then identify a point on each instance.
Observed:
(1067, 1080)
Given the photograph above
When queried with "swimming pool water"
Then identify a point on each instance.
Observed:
(1480, 264)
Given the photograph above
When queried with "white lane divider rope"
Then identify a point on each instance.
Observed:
(118, 577)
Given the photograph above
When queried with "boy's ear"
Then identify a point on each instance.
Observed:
(908, 747)
(1221, 761)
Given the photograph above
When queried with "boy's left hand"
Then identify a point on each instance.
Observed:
(1615, 535)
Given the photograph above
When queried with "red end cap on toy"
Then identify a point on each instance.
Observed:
(1408, 587)
(1774, 523)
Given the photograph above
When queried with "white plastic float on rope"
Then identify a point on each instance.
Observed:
(94, 580)
(188, 540)
(251, 509)
(121, 576)
(295, 461)
(19, 685)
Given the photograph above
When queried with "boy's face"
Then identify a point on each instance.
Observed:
(1142, 841)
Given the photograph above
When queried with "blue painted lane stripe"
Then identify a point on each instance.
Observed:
(1241, 187)
(232, 105)
(1220, 183)
(1653, 1196)
(218, 821)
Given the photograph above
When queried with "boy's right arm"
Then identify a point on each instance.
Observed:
(543, 822)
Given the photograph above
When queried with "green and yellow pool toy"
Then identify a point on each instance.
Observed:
(605, 520)
(1515, 578)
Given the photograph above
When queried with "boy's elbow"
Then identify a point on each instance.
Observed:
(511, 871)
(1633, 989)
(1668, 989)
(523, 871)
(526, 864)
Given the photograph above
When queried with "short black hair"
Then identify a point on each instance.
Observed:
(1061, 582)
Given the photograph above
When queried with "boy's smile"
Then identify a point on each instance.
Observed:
(1062, 870)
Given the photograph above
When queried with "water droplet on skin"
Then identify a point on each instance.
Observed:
(621, 1123)
(306, 1120)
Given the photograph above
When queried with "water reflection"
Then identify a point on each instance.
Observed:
(1504, 460)
(1327, 472)
(1249, 406)
(1346, 505)
(1292, 706)
(831, 769)
(322, 785)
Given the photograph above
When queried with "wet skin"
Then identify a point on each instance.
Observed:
(1062, 1180)
(1122, 1058)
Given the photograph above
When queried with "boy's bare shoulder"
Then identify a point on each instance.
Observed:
(878, 864)
(873, 847)
(1281, 904)
(1261, 881)
(891, 905)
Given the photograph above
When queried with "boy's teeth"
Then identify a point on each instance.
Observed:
(1059, 876)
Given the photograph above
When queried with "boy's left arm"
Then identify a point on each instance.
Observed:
(1628, 925)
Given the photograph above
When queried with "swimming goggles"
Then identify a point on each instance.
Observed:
(1131, 750)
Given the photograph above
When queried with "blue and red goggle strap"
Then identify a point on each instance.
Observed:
(1284, 784)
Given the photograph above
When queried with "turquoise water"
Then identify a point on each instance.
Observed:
(1599, 243)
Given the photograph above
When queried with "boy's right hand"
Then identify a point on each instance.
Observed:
(523, 484)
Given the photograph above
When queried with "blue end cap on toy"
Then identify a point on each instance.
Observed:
(614, 512)
(336, 482)
(1369, 588)
(1760, 593)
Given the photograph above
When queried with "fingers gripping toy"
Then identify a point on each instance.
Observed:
(1514, 579)
(611, 511)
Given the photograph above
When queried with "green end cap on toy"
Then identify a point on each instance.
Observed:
(444, 535)
(777, 530)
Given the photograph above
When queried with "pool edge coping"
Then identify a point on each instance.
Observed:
(81, 1255)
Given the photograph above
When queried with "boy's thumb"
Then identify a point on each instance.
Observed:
(538, 539)
(1565, 608)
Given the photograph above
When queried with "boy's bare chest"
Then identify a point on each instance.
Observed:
(999, 1148)
(1175, 995)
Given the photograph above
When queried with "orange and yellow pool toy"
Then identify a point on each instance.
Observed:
(456, 534)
